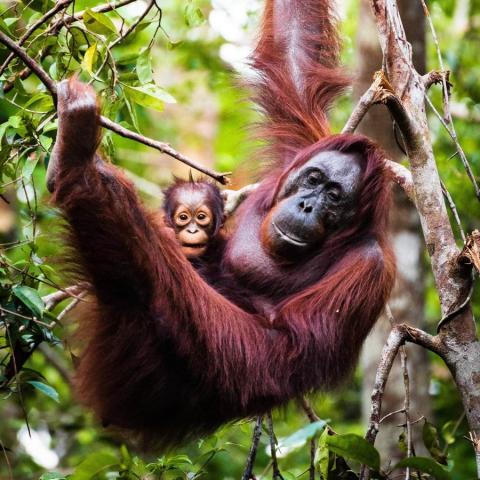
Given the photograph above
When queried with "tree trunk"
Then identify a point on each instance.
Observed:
(407, 300)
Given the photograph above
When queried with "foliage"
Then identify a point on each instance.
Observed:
(166, 79)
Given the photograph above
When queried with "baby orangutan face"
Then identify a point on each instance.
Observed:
(195, 210)
(193, 223)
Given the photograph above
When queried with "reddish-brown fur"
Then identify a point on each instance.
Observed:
(172, 356)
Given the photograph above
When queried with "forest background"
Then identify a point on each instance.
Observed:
(178, 81)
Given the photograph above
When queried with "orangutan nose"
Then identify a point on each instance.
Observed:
(305, 206)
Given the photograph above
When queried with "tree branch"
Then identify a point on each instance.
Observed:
(107, 123)
(257, 432)
(397, 337)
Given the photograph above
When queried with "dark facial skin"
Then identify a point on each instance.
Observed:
(315, 200)
(193, 222)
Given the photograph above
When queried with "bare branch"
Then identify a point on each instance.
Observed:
(53, 299)
(397, 337)
(109, 124)
(276, 475)
(403, 177)
(257, 432)
(313, 417)
(434, 77)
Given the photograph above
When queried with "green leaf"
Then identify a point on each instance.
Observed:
(149, 96)
(3, 129)
(98, 23)
(426, 465)
(322, 455)
(432, 442)
(89, 58)
(53, 476)
(354, 447)
(93, 464)
(193, 15)
(144, 66)
(15, 121)
(402, 442)
(45, 142)
(45, 389)
(30, 298)
(39, 5)
(29, 167)
(300, 437)
(448, 430)
(41, 102)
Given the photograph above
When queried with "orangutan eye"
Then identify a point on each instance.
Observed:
(333, 195)
(183, 217)
(201, 216)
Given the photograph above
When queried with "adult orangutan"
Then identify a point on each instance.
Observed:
(306, 271)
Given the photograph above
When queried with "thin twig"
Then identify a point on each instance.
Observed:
(257, 432)
(276, 475)
(313, 417)
(461, 153)
(453, 209)
(447, 121)
(53, 299)
(71, 306)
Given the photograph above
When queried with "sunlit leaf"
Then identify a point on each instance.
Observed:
(300, 437)
(99, 23)
(448, 431)
(144, 66)
(89, 58)
(193, 15)
(149, 96)
(45, 142)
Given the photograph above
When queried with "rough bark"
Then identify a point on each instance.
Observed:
(407, 301)
(458, 336)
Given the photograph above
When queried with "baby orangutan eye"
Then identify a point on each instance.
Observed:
(314, 179)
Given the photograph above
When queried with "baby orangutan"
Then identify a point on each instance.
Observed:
(195, 210)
